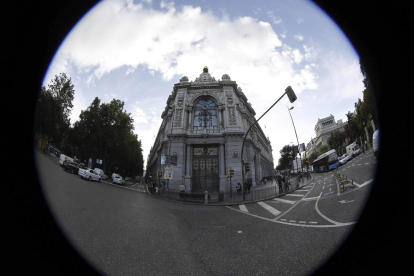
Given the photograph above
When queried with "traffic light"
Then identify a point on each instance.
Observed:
(246, 167)
(291, 94)
(230, 173)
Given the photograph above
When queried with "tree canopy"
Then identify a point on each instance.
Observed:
(104, 131)
(54, 106)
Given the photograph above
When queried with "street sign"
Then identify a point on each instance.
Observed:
(168, 173)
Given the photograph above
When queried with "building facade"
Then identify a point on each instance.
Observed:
(323, 129)
(201, 136)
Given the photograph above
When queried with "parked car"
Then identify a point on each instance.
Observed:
(344, 158)
(89, 174)
(375, 142)
(115, 175)
(71, 166)
(118, 180)
(100, 173)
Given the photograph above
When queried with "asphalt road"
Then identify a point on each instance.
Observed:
(124, 231)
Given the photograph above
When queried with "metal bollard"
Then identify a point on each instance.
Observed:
(205, 197)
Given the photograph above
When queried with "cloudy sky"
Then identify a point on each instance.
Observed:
(136, 51)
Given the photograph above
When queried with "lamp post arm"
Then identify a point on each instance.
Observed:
(244, 139)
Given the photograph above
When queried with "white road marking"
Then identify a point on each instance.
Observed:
(285, 200)
(243, 208)
(269, 208)
(293, 195)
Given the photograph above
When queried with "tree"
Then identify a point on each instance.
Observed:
(54, 106)
(105, 132)
(285, 158)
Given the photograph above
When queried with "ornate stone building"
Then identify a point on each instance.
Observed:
(323, 129)
(201, 135)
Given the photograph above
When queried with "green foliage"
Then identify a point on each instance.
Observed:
(105, 131)
(285, 158)
(336, 141)
(54, 106)
(366, 110)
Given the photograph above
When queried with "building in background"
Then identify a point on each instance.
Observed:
(323, 129)
(201, 135)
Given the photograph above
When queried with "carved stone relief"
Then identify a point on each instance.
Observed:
(232, 116)
(178, 117)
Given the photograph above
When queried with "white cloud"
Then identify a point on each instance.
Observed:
(139, 116)
(344, 78)
(276, 20)
(299, 37)
(174, 42)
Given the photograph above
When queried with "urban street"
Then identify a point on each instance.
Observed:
(123, 230)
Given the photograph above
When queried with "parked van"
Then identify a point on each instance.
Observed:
(353, 149)
(64, 158)
(375, 142)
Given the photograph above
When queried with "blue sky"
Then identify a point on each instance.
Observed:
(136, 50)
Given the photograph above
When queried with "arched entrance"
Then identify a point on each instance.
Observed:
(205, 174)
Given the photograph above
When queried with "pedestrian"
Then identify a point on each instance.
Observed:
(245, 187)
(249, 185)
(265, 180)
(238, 187)
(279, 183)
(182, 188)
(157, 190)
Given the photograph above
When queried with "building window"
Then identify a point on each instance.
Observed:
(205, 114)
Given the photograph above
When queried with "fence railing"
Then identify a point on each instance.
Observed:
(254, 194)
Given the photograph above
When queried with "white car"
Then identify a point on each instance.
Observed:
(118, 180)
(375, 142)
(344, 158)
(89, 174)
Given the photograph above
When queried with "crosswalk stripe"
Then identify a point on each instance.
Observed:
(269, 208)
(285, 200)
(293, 195)
(243, 208)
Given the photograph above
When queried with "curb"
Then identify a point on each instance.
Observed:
(226, 204)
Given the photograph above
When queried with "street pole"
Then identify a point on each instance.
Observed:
(292, 98)
(300, 156)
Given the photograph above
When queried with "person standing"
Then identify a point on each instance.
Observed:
(279, 183)
(238, 187)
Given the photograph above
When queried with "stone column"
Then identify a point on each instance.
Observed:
(220, 116)
(223, 180)
(190, 116)
(188, 162)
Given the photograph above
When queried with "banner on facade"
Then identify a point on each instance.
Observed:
(168, 173)
(296, 164)
(173, 161)
(302, 147)
(163, 159)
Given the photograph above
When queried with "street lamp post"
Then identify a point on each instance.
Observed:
(300, 156)
(292, 97)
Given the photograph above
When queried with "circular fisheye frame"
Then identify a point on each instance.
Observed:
(152, 164)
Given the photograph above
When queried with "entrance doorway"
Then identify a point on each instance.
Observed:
(205, 169)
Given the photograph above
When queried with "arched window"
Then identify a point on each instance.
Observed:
(205, 114)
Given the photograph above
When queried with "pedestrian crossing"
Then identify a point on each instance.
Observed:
(276, 209)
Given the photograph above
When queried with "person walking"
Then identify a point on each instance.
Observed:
(238, 187)
(279, 183)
